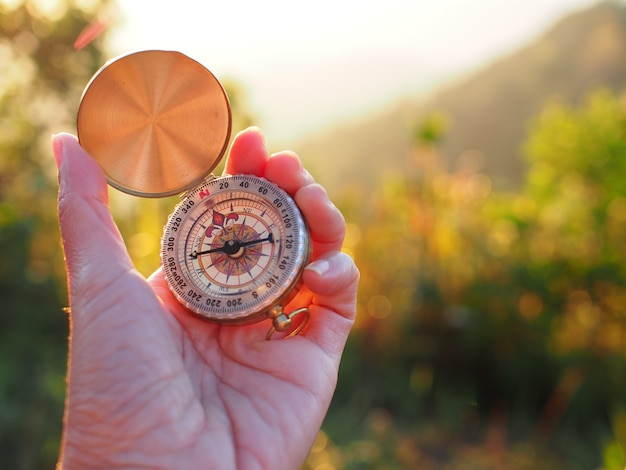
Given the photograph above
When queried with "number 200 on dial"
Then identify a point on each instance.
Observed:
(234, 248)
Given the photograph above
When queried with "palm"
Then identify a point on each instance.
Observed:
(267, 394)
(211, 389)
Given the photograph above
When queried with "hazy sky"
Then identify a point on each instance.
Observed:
(308, 65)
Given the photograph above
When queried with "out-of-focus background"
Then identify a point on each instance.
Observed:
(478, 151)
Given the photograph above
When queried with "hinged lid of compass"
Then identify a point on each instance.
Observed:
(157, 122)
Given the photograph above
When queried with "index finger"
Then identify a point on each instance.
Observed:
(248, 154)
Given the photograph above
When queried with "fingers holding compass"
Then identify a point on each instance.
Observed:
(249, 155)
(286, 170)
(332, 279)
(268, 243)
(326, 223)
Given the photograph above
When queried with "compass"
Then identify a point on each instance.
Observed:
(234, 248)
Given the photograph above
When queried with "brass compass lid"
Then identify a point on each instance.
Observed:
(157, 122)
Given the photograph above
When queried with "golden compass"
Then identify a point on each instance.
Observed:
(234, 248)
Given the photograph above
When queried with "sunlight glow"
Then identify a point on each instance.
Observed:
(309, 67)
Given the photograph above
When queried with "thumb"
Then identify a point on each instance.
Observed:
(94, 250)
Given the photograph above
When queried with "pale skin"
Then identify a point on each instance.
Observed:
(152, 386)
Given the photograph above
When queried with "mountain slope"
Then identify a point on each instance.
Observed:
(489, 111)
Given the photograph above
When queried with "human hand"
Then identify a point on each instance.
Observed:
(151, 385)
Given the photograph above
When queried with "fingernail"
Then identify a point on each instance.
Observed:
(320, 267)
(258, 130)
(254, 130)
(57, 149)
(304, 173)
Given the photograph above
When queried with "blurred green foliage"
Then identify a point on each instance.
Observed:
(491, 330)
(492, 326)
(41, 79)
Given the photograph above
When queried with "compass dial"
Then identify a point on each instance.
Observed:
(234, 248)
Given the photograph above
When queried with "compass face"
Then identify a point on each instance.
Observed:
(234, 248)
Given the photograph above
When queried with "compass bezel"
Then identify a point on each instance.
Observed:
(176, 244)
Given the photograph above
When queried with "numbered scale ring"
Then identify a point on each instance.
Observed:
(234, 248)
